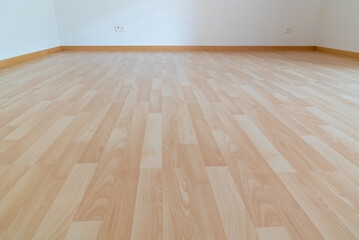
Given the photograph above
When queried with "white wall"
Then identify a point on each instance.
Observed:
(340, 25)
(188, 22)
(27, 26)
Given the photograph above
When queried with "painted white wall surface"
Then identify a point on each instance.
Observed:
(340, 25)
(188, 22)
(27, 26)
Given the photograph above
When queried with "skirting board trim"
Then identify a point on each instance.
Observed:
(22, 58)
(338, 52)
(26, 57)
(185, 48)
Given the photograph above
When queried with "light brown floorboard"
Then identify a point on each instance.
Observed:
(180, 145)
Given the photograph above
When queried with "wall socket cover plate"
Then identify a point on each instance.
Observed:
(120, 28)
(288, 29)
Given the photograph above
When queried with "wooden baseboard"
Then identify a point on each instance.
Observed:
(185, 48)
(338, 51)
(22, 58)
(30, 56)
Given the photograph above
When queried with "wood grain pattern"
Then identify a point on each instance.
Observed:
(236, 221)
(273, 233)
(148, 219)
(152, 146)
(83, 230)
(59, 216)
(178, 144)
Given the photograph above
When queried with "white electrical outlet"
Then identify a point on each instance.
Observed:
(120, 28)
(288, 29)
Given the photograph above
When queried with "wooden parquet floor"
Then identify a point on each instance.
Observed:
(180, 145)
